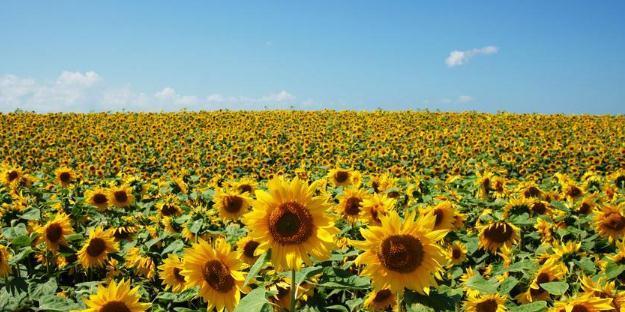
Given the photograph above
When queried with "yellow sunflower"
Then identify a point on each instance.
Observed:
(350, 203)
(4, 261)
(400, 254)
(11, 175)
(456, 253)
(376, 206)
(168, 206)
(245, 185)
(291, 221)
(116, 297)
(247, 249)
(121, 196)
(550, 271)
(97, 197)
(583, 303)
(170, 273)
(231, 204)
(53, 233)
(216, 271)
(497, 234)
(94, 252)
(381, 300)
(610, 222)
(444, 214)
(65, 176)
(344, 177)
(485, 303)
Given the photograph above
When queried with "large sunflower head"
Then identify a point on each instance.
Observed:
(116, 297)
(376, 206)
(485, 303)
(291, 220)
(231, 204)
(444, 215)
(64, 176)
(344, 177)
(170, 273)
(381, 300)
(53, 233)
(4, 261)
(97, 197)
(216, 271)
(400, 254)
(350, 204)
(121, 196)
(583, 303)
(498, 234)
(610, 222)
(94, 252)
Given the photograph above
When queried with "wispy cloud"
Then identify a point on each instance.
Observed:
(457, 58)
(78, 91)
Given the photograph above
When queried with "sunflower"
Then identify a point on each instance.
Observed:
(245, 185)
(4, 261)
(456, 253)
(583, 303)
(610, 222)
(65, 176)
(497, 234)
(344, 177)
(400, 254)
(53, 233)
(142, 264)
(484, 184)
(216, 271)
(98, 198)
(11, 175)
(168, 206)
(350, 203)
(247, 248)
(604, 289)
(169, 272)
(121, 196)
(377, 205)
(485, 303)
(291, 221)
(380, 300)
(94, 252)
(550, 271)
(116, 297)
(444, 214)
(231, 204)
(518, 206)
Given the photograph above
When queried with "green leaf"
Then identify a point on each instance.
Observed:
(33, 214)
(555, 288)
(536, 306)
(55, 303)
(256, 267)
(196, 226)
(507, 285)
(613, 270)
(37, 290)
(173, 247)
(587, 265)
(482, 285)
(305, 273)
(254, 301)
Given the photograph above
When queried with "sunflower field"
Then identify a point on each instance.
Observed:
(312, 211)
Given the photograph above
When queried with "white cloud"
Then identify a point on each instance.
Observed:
(464, 99)
(77, 91)
(457, 58)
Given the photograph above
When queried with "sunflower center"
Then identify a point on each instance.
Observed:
(574, 191)
(168, 210)
(233, 204)
(114, 306)
(540, 279)
(489, 305)
(65, 177)
(249, 248)
(96, 247)
(352, 206)
(456, 253)
(486, 184)
(245, 188)
(13, 175)
(439, 217)
(532, 191)
(341, 176)
(498, 232)
(539, 208)
(580, 308)
(100, 199)
(620, 181)
(584, 208)
(614, 221)
(217, 275)
(120, 196)
(54, 232)
(178, 276)
(401, 253)
(290, 223)
(382, 295)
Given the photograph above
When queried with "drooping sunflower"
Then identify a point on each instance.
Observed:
(485, 303)
(400, 254)
(350, 203)
(97, 197)
(380, 300)
(291, 220)
(116, 297)
(583, 303)
(4, 261)
(247, 249)
(344, 177)
(121, 196)
(610, 222)
(170, 273)
(53, 233)
(497, 234)
(231, 204)
(377, 205)
(94, 252)
(65, 176)
(444, 213)
(216, 271)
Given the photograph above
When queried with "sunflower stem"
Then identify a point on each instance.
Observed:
(293, 290)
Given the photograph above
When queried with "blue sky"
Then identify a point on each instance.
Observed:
(519, 56)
